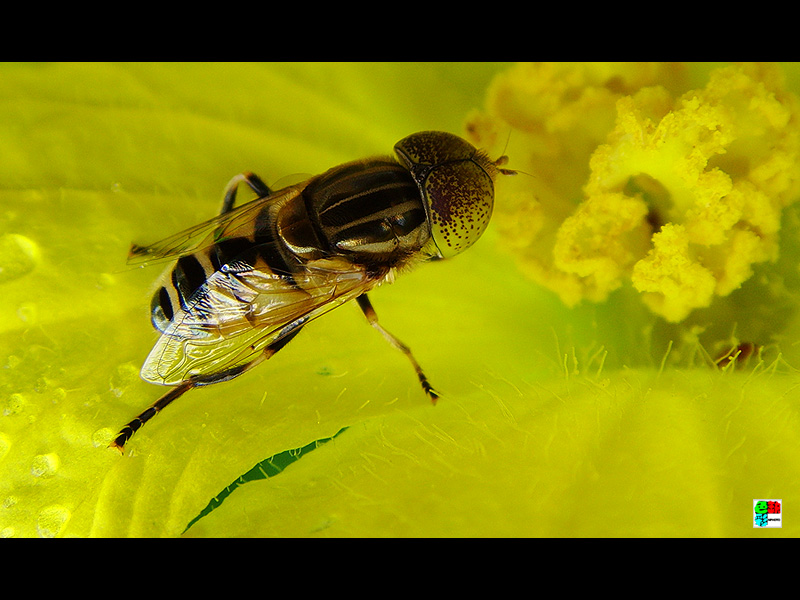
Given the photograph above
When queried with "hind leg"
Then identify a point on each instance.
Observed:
(133, 426)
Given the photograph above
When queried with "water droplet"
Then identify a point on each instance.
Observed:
(12, 361)
(122, 377)
(105, 280)
(8, 532)
(52, 520)
(14, 404)
(102, 437)
(10, 501)
(27, 313)
(18, 256)
(45, 465)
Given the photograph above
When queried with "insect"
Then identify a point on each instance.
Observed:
(246, 282)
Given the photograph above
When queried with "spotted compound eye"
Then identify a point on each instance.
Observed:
(457, 183)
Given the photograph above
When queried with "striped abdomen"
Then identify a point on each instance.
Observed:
(369, 212)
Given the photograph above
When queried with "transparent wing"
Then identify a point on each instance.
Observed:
(240, 311)
(204, 234)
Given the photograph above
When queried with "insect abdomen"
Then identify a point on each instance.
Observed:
(185, 279)
(256, 244)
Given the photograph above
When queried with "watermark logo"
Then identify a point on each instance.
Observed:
(767, 513)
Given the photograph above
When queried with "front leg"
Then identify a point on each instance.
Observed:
(372, 318)
(251, 179)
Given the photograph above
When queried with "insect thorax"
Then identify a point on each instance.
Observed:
(369, 211)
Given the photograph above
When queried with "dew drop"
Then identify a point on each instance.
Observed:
(122, 377)
(105, 280)
(52, 520)
(45, 465)
(8, 532)
(27, 313)
(102, 437)
(14, 404)
(18, 256)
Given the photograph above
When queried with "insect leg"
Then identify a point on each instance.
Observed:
(251, 179)
(372, 318)
(127, 432)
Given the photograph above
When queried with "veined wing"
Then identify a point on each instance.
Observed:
(204, 234)
(241, 310)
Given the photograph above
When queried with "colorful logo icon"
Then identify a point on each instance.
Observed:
(767, 513)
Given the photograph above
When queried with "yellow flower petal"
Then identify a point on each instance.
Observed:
(634, 454)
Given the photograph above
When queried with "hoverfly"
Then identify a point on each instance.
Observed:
(247, 281)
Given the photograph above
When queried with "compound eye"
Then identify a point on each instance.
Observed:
(460, 198)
